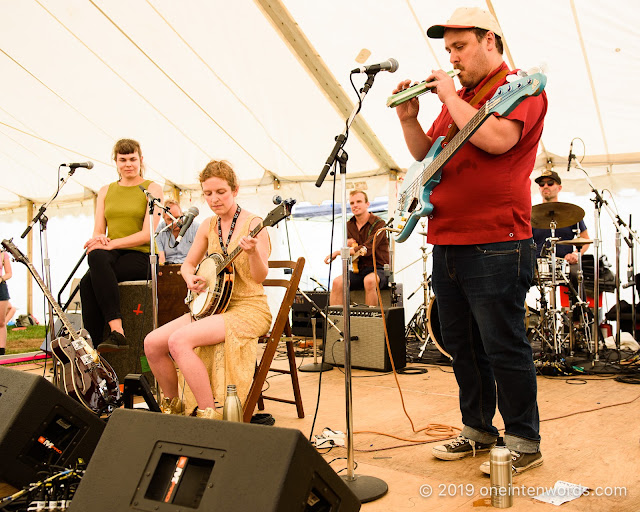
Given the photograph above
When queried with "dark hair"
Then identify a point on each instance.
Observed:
(127, 147)
(219, 169)
(480, 33)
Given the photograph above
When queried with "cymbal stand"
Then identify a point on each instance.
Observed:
(631, 280)
(421, 315)
(554, 311)
(618, 223)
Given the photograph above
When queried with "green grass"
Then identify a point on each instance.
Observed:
(31, 332)
(27, 340)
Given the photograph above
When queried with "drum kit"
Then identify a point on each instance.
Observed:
(560, 331)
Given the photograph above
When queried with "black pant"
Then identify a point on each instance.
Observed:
(99, 286)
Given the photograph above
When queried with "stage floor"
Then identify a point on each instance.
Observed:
(590, 436)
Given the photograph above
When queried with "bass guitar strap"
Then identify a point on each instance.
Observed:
(475, 100)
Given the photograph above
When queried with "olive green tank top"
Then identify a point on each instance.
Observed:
(124, 211)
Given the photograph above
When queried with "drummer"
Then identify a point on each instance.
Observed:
(550, 185)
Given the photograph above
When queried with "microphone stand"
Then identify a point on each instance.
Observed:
(153, 257)
(315, 366)
(618, 223)
(42, 219)
(366, 488)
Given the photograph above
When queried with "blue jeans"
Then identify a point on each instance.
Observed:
(480, 292)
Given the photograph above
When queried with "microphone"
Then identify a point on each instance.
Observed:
(86, 165)
(571, 155)
(390, 65)
(190, 214)
(277, 199)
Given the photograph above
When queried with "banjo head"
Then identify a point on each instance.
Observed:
(204, 304)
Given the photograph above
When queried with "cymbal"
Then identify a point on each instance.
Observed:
(564, 214)
(578, 242)
(423, 233)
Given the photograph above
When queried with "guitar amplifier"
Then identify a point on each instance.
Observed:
(369, 351)
(302, 311)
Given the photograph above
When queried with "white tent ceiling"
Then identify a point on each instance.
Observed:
(265, 85)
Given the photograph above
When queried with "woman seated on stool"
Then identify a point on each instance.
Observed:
(247, 317)
(119, 248)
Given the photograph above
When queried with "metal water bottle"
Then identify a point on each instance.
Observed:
(501, 477)
(232, 410)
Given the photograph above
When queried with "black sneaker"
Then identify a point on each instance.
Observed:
(114, 342)
(520, 462)
(460, 448)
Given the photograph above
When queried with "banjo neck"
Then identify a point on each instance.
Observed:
(236, 252)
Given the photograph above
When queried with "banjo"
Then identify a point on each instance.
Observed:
(219, 271)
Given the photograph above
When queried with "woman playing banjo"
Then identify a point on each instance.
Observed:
(193, 344)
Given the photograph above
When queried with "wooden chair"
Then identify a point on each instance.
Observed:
(280, 327)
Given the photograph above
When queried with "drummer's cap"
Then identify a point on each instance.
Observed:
(467, 17)
(549, 174)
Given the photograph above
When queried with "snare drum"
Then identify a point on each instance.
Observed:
(543, 271)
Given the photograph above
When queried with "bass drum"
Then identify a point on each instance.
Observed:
(433, 326)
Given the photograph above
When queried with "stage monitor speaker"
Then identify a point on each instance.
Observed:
(147, 461)
(40, 427)
(137, 320)
(369, 351)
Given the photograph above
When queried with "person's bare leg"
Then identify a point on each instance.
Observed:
(156, 348)
(370, 289)
(335, 299)
(3, 325)
(208, 331)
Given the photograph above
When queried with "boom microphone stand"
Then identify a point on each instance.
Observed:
(42, 219)
(366, 488)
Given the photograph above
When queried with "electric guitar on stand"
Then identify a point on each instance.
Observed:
(422, 177)
(87, 376)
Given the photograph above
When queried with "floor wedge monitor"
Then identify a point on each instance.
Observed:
(40, 427)
(157, 462)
